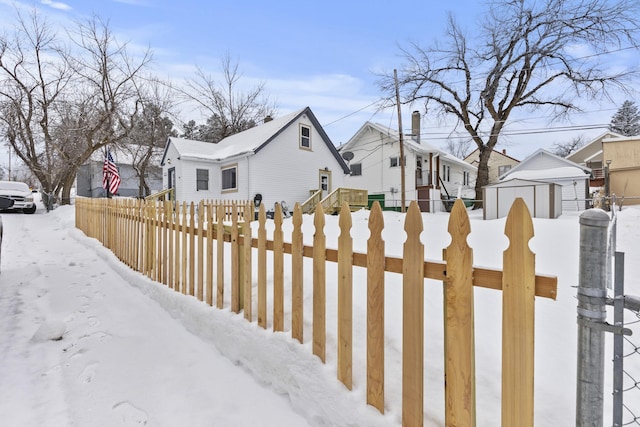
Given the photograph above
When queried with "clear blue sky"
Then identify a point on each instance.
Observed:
(317, 54)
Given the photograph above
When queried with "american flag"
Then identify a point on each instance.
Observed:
(110, 175)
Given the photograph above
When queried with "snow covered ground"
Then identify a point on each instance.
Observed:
(131, 352)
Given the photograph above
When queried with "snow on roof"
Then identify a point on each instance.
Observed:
(517, 182)
(245, 142)
(552, 173)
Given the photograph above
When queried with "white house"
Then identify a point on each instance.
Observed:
(547, 167)
(283, 159)
(431, 174)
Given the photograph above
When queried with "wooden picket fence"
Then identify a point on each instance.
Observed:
(182, 246)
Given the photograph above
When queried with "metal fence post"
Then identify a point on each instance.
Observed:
(592, 294)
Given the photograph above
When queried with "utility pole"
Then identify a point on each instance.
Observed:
(402, 183)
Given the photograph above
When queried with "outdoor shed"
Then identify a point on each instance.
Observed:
(544, 199)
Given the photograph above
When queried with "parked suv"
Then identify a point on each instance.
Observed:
(21, 195)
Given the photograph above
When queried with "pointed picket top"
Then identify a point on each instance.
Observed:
(318, 219)
(459, 225)
(262, 216)
(344, 221)
(277, 216)
(413, 221)
(296, 218)
(376, 222)
(519, 225)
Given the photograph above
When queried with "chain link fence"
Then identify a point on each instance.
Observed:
(631, 376)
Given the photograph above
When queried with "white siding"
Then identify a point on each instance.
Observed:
(572, 194)
(284, 171)
(374, 151)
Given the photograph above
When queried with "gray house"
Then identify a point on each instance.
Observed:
(89, 177)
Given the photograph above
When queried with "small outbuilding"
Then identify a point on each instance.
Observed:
(547, 167)
(544, 199)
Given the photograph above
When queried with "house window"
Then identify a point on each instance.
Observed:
(503, 169)
(394, 161)
(465, 178)
(356, 169)
(305, 137)
(446, 171)
(202, 179)
(230, 178)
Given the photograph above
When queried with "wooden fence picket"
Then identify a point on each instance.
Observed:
(220, 256)
(235, 261)
(319, 285)
(278, 271)
(210, 257)
(247, 264)
(262, 268)
(172, 242)
(200, 252)
(297, 297)
(518, 316)
(345, 298)
(458, 323)
(192, 249)
(412, 320)
(184, 248)
(375, 309)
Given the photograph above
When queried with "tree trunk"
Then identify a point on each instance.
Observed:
(483, 175)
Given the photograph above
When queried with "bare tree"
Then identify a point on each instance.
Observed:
(229, 108)
(520, 60)
(151, 127)
(563, 149)
(107, 78)
(34, 79)
(460, 148)
(59, 103)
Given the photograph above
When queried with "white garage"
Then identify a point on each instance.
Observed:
(547, 167)
(544, 199)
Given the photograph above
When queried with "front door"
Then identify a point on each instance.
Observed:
(171, 181)
(325, 182)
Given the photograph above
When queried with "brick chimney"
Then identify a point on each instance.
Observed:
(415, 126)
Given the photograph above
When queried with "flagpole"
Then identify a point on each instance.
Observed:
(106, 163)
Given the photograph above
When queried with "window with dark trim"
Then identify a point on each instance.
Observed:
(230, 178)
(394, 161)
(465, 178)
(305, 137)
(202, 179)
(446, 171)
(356, 169)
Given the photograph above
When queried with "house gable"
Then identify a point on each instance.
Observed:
(590, 151)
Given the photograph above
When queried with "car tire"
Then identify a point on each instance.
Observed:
(30, 210)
